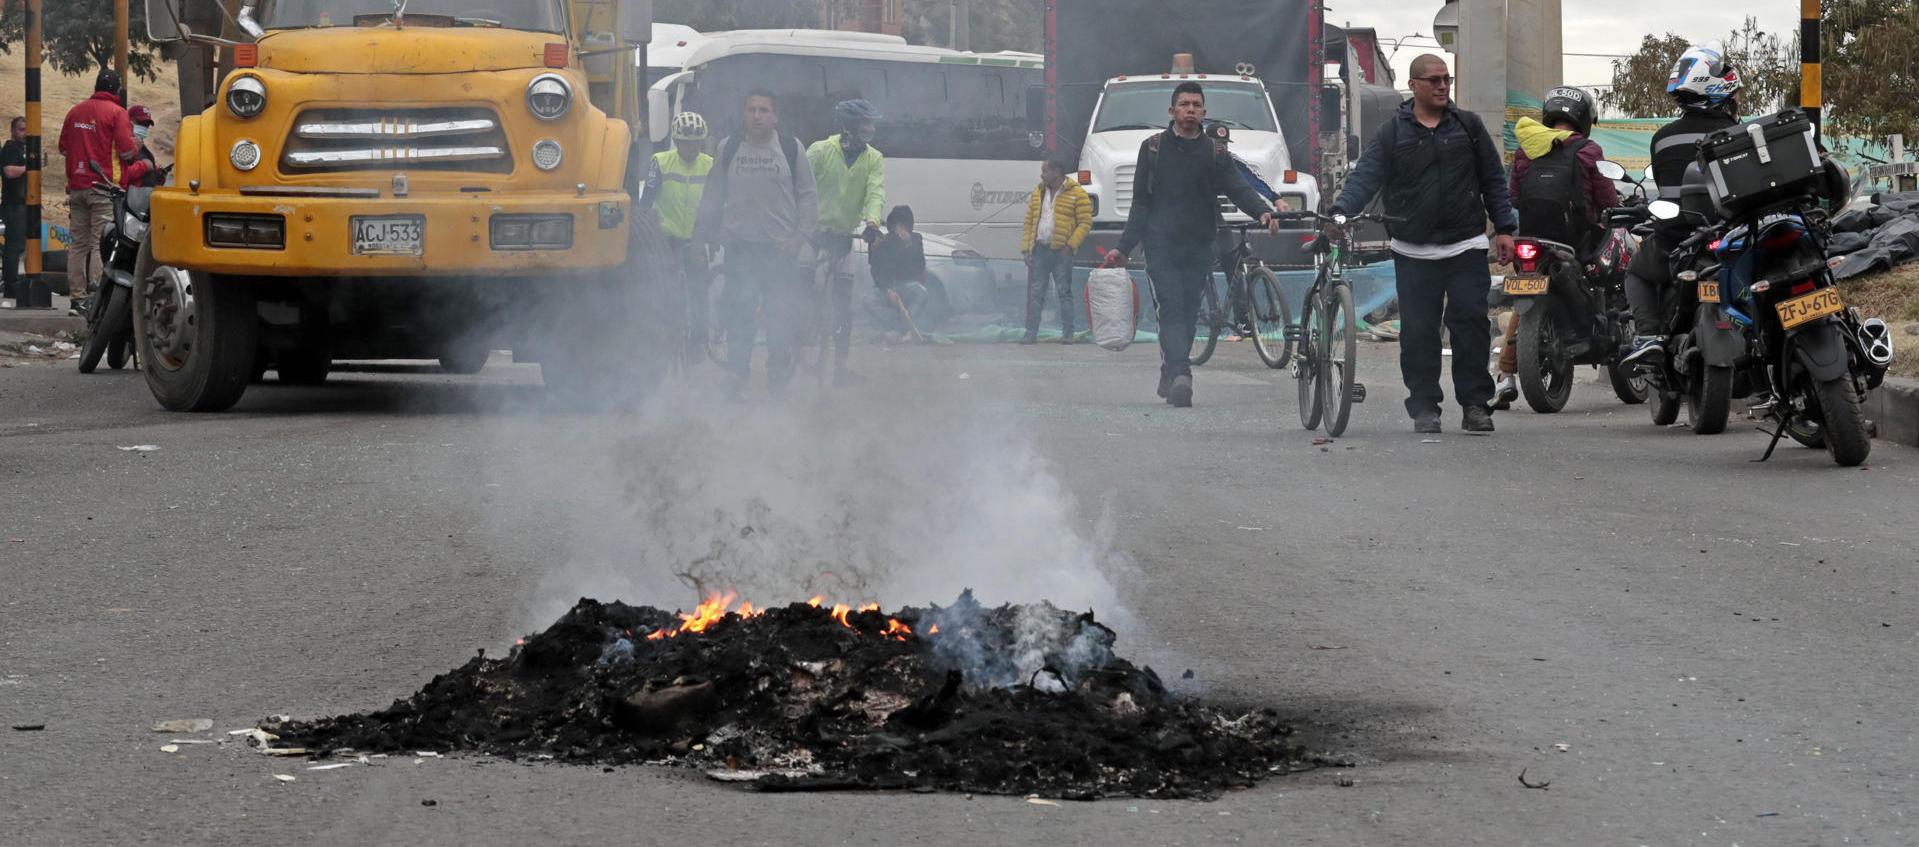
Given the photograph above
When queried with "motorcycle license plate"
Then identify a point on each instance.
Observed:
(1525, 284)
(1708, 292)
(400, 235)
(1809, 307)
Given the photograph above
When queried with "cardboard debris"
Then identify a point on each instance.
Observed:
(283, 777)
(185, 725)
(169, 748)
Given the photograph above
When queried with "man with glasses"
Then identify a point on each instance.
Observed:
(1440, 172)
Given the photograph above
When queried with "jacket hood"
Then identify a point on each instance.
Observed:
(1537, 139)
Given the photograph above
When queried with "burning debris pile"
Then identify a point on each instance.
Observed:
(1007, 700)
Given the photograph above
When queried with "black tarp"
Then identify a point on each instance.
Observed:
(1096, 40)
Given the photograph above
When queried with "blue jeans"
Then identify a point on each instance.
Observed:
(1054, 267)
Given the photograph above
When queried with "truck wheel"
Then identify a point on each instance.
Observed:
(303, 367)
(196, 333)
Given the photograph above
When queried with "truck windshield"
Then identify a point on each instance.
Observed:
(1143, 105)
(533, 15)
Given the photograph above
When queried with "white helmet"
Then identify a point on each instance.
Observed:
(689, 126)
(1703, 78)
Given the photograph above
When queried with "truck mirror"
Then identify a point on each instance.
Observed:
(162, 25)
(636, 21)
(659, 114)
(1035, 108)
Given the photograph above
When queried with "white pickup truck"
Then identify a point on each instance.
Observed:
(1131, 108)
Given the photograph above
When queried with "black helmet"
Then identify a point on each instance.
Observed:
(1573, 105)
(108, 80)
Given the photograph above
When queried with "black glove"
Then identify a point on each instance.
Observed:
(870, 234)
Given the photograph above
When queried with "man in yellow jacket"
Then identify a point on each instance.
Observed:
(1058, 216)
(674, 186)
(852, 183)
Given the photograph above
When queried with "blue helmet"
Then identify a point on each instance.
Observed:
(855, 112)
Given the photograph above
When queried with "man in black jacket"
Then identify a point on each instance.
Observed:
(1440, 172)
(1176, 185)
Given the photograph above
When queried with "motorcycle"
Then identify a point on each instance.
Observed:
(1572, 311)
(1705, 365)
(110, 315)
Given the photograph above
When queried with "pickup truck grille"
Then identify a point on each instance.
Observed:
(450, 139)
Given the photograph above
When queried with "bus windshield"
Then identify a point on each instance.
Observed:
(532, 15)
(1143, 106)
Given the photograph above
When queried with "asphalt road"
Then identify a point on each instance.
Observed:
(1724, 649)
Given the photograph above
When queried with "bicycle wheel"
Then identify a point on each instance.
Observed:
(1212, 321)
(1270, 316)
(1306, 363)
(1339, 348)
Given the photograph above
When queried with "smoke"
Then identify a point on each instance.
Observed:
(901, 492)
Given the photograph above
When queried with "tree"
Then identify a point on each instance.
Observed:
(77, 35)
(1768, 66)
(1871, 67)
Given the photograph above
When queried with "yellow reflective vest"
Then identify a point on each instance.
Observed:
(681, 184)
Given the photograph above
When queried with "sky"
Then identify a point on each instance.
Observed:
(1610, 26)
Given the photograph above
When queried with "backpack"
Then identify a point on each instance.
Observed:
(1552, 197)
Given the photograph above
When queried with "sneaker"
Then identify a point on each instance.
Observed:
(1426, 423)
(1477, 420)
(1506, 392)
(77, 307)
(1030, 338)
(1180, 393)
(1647, 351)
(1165, 382)
(1068, 337)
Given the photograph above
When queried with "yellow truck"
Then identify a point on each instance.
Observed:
(390, 179)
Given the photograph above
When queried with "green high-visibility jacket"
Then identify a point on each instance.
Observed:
(851, 196)
(674, 188)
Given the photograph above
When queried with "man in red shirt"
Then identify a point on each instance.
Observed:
(96, 132)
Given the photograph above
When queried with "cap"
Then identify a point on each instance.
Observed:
(140, 115)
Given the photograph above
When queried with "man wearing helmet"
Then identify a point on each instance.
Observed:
(674, 185)
(1706, 86)
(852, 187)
(1559, 192)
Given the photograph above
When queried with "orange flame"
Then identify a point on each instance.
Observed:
(840, 611)
(897, 630)
(713, 609)
(815, 600)
(933, 630)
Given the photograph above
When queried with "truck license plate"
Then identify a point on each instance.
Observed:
(1525, 284)
(1809, 307)
(399, 235)
(1708, 292)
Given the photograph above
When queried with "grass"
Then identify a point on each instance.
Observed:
(59, 93)
(1894, 296)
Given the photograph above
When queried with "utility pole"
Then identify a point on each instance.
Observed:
(959, 35)
(33, 292)
(1810, 90)
(120, 46)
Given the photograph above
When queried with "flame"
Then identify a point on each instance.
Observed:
(933, 630)
(815, 600)
(840, 611)
(869, 607)
(898, 631)
(714, 609)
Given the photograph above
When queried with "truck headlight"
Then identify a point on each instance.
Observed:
(549, 96)
(546, 154)
(245, 155)
(246, 97)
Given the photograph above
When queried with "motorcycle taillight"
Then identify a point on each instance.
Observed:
(1804, 288)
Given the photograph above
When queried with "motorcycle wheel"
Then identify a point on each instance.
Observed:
(1627, 384)
(1847, 440)
(1709, 399)
(117, 352)
(1545, 371)
(112, 321)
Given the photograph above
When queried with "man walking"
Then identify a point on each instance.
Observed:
(852, 189)
(13, 207)
(1058, 216)
(1177, 181)
(674, 185)
(1441, 175)
(761, 205)
(96, 134)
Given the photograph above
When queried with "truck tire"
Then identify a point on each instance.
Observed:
(196, 332)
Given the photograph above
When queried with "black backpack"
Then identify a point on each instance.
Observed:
(1552, 197)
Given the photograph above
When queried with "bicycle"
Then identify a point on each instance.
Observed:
(1328, 331)
(1254, 302)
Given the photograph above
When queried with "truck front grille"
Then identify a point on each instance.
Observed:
(452, 139)
(1123, 196)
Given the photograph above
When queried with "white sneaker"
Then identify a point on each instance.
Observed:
(1505, 392)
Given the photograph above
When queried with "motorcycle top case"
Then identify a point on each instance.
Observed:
(1761, 162)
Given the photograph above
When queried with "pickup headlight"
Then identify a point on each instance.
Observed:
(549, 96)
(246, 97)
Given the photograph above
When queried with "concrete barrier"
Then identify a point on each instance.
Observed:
(1894, 406)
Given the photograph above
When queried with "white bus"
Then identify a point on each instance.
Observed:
(961, 133)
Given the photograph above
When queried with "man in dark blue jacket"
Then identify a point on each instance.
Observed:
(1179, 177)
(1440, 171)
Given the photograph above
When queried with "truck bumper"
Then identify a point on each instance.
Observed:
(459, 233)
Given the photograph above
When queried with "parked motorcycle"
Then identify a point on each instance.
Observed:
(1817, 356)
(1572, 311)
(110, 315)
